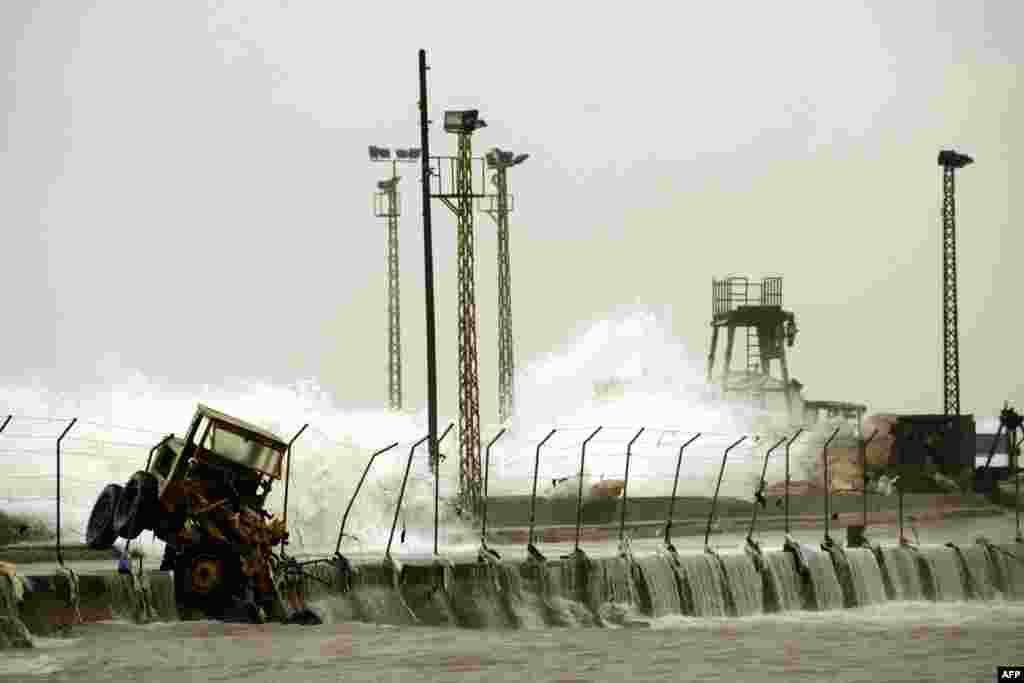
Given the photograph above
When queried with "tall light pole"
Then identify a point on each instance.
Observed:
(950, 161)
(386, 205)
(455, 189)
(428, 263)
(501, 205)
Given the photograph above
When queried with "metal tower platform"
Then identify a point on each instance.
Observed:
(756, 307)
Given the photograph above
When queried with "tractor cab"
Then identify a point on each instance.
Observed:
(238, 460)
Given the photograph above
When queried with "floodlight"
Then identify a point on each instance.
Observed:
(520, 159)
(948, 157)
(379, 153)
(386, 185)
(465, 121)
(402, 153)
(414, 153)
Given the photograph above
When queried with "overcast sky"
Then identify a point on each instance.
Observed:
(186, 189)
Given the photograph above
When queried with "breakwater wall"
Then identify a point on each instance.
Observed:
(572, 591)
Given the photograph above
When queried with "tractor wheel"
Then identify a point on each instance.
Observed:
(99, 532)
(137, 508)
(207, 579)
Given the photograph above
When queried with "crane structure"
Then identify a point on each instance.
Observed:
(452, 179)
(386, 205)
(950, 160)
(500, 206)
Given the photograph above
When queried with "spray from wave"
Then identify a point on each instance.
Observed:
(117, 426)
(622, 373)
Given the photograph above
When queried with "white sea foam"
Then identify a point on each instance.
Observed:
(655, 384)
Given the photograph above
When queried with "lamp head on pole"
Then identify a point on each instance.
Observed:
(951, 159)
(498, 158)
(465, 121)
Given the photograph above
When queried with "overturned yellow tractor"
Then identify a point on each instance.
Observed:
(204, 497)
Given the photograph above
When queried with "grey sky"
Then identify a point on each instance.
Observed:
(155, 153)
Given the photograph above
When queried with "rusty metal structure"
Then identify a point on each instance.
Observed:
(500, 205)
(950, 161)
(452, 179)
(756, 309)
(386, 205)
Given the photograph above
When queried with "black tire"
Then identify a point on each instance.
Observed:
(136, 509)
(207, 579)
(99, 532)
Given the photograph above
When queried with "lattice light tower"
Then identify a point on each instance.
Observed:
(757, 308)
(499, 207)
(950, 161)
(458, 194)
(386, 205)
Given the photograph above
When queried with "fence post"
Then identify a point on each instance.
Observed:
(579, 494)
(625, 492)
(60, 556)
(864, 483)
(788, 444)
(352, 499)
(401, 494)
(483, 523)
(718, 486)
(672, 501)
(759, 494)
(828, 490)
(288, 478)
(437, 480)
(530, 547)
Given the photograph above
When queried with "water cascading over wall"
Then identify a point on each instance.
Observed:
(476, 597)
(827, 592)
(703, 574)
(375, 597)
(948, 582)
(1008, 562)
(902, 569)
(859, 576)
(745, 584)
(980, 573)
(526, 591)
(787, 583)
(659, 586)
(616, 595)
(566, 593)
(866, 577)
(423, 588)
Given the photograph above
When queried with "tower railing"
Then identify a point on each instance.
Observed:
(730, 293)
